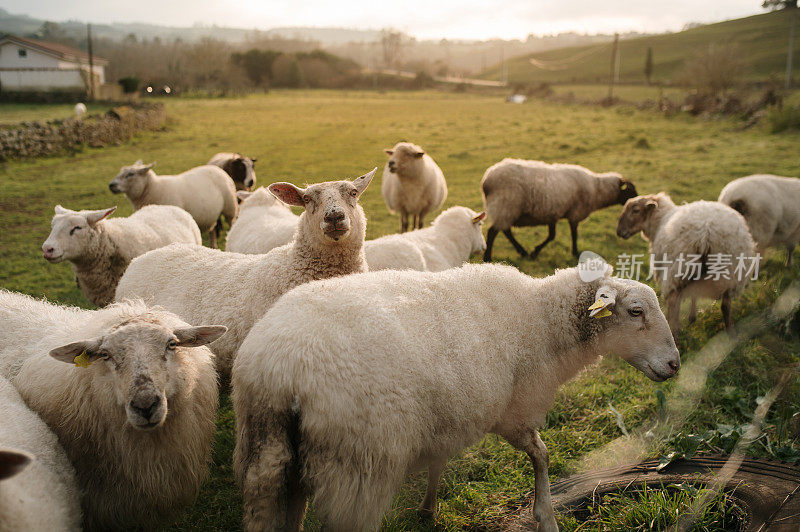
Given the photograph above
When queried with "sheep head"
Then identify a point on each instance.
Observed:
(635, 215)
(131, 180)
(242, 171)
(626, 191)
(142, 361)
(634, 327)
(331, 208)
(404, 157)
(72, 233)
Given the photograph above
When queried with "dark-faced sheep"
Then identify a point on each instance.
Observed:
(520, 193)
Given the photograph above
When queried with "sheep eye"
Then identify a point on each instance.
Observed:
(636, 311)
(354, 193)
(104, 355)
(306, 198)
(72, 231)
(171, 345)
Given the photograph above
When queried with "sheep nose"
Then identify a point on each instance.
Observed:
(48, 250)
(674, 365)
(334, 217)
(112, 187)
(146, 406)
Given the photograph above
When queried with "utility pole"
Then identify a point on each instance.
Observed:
(91, 62)
(790, 55)
(614, 69)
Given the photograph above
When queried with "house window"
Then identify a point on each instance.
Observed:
(22, 52)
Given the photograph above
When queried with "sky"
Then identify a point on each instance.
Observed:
(424, 19)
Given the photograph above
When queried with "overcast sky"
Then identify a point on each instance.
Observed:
(468, 19)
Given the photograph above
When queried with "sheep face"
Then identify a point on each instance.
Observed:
(141, 361)
(331, 206)
(404, 157)
(626, 191)
(72, 233)
(635, 215)
(637, 330)
(131, 180)
(242, 171)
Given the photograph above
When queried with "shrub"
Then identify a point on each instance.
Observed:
(129, 84)
(784, 118)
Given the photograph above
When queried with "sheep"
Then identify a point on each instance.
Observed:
(690, 242)
(518, 193)
(449, 242)
(205, 192)
(413, 184)
(264, 223)
(240, 168)
(235, 290)
(347, 384)
(38, 490)
(131, 394)
(80, 110)
(771, 206)
(100, 249)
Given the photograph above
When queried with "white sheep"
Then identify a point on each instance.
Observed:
(413, 184)
(264, 223)
(235, 290)
(348, 384)
(131, 395)
(38, 490)
(521, 193)
(771, 206)
(205, 192)
(80, 110)
(449, 242)
(702, 249)
(100, 249)
(239, 167)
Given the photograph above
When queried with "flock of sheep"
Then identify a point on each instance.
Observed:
(352, 363)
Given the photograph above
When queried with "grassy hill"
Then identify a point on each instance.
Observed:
(762, 40)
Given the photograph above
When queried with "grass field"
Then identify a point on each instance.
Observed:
(305, 137)
(762, 41)
(26, 112)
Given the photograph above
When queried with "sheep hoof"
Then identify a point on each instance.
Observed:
(427, 513)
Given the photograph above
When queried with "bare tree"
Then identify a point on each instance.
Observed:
(391, 42)
(648, 65)
(714, 70)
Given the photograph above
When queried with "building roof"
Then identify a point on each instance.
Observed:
(61, 51)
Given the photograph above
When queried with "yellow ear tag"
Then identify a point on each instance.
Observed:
(82, 360)
(598, 304)
(603, 313)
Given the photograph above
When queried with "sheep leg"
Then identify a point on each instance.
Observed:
(542, 504)
(212, 237)
(693, 311)
(419, 221)
(517, 245)
(403, 222)
(726, 313)
(490, 236)
(573, 229)
(551, 234)
(789, 252)
(428, 508)
(674, 312)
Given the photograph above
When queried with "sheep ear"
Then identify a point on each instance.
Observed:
(148, 166)
(253, 160)
(361, 183)
(243, 194)
(92, 217)
(479, 217)
(61, 210)
(139, 162)
(288, 193)
(13, 462)
(651, 204)
(605, 299)
(389, 151)
(82, 354)
(623, 184)
(197, 336)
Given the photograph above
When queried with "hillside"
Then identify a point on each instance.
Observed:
(762, 40)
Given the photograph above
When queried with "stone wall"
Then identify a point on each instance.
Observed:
(36, 139)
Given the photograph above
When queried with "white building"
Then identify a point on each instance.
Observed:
(32, 65)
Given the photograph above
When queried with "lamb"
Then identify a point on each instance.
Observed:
(450, 241)
(240, 168)
(131, 394)
(235, 290)
(264, 223)
(771, 206)
(521, 193)
(347, 384)
(100, 249)
(38, 490)
(205, 192)
(702, 249)
(413, 184)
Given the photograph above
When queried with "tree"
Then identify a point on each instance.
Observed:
(257, 64)
(715, 70)
(648, 65)
(391, 42)
(779, 4)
